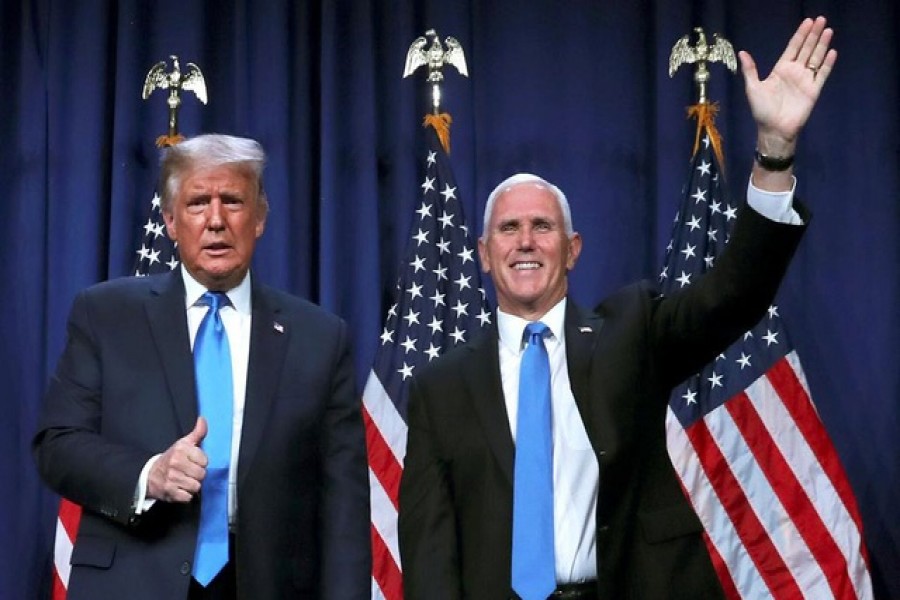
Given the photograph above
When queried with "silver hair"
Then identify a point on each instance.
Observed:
(526, 178)
(210, 150)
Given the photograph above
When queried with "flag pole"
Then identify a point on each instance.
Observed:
(700, 55)
(743, 434)
(176, 80)
(438, 303)
(435, 56)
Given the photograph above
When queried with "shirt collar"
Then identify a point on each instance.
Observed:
(239, 295)
(511, 328)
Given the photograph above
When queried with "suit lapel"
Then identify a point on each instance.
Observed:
(168, 325)
(582, 332)
(485, 388)
(269, 338)
(482, 377)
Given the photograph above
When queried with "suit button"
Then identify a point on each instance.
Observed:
(603, 529)
(186, 568)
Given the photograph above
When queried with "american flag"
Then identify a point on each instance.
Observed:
(746, 440)
(438, 304)
(157, 254)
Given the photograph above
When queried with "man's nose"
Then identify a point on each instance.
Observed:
(215, 220)
(526, 238)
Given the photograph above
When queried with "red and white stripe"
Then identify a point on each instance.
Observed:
(386, 442)
(66, 529)
(779, 515)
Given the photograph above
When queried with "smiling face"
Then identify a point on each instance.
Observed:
(216, 218)
(526, 251)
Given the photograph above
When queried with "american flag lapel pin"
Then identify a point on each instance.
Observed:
(278, 327)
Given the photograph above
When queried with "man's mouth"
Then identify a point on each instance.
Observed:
(526, 266)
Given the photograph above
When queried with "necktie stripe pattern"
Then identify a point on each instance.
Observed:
(212, 364)
(533, 562)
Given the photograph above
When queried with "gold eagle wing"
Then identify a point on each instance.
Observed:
(194, 82)
(415, 56)
(156, 78)
(723, 51)
(455, 56)
(682, 52)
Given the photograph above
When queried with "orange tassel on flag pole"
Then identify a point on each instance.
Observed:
(441, 124)
(705, 113)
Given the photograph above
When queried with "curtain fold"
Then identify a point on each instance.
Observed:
(577, 92)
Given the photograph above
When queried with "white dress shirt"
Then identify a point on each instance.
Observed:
(576, 474)
(237, 320)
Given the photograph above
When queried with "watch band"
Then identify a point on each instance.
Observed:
(773, 163)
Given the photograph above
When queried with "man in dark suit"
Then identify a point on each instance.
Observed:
(122, 433)
(620, 524)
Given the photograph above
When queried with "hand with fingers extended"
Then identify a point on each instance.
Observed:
(178, 473)
(782, 102)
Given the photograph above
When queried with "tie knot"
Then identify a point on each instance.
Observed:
(215, 300)
(536, 331)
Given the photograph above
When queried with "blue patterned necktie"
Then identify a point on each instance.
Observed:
(212, 368)
(533, 562)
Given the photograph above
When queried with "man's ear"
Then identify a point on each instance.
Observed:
(169, 218)
(574, 251)
(484, 256)
(260, 226)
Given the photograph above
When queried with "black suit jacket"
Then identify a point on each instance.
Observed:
(623, 359)
(124, 391)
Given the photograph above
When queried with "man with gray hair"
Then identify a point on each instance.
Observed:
(536, 462)
(208, 424)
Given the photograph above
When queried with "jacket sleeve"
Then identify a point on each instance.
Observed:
(428, 539)
(344, 500)
(95, 471)
(692, 326)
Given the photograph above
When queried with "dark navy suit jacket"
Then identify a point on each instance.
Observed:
(124, 390)
(456, 493)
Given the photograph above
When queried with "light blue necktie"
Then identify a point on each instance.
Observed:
(533, 562)
(212, 368)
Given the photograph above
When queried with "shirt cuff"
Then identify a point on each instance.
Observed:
(775, 206)
(141, 502)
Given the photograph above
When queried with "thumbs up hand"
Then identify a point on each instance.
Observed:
(177, 474)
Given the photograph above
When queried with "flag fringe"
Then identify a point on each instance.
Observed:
(705, 113)
(441, 125)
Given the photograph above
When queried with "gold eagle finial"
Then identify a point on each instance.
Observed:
(702, 53)
(435, 56)
(190, 79)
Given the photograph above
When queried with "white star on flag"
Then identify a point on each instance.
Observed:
(439, 272)
(746, 441)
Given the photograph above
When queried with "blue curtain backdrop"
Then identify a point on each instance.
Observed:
(576, 91)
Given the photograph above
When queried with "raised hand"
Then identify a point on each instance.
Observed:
(176, 476)
(782, 102)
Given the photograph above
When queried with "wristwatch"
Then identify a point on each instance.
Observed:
(773, 163)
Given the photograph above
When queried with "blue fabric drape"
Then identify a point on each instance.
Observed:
(577, 92)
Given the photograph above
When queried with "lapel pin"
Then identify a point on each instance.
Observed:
(278, 327)
(586, 329)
